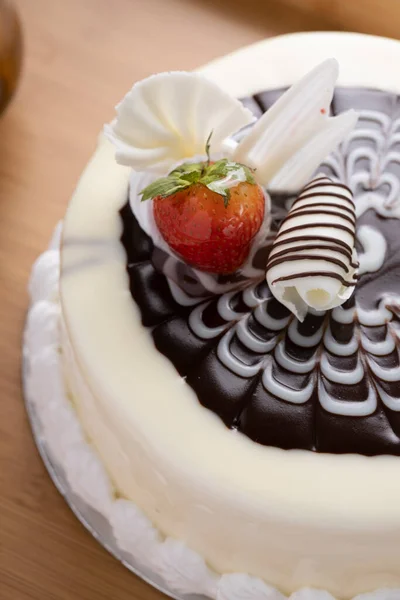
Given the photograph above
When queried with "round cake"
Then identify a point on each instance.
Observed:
(213, 346)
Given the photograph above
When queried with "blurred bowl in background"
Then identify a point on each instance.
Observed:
(10, 52)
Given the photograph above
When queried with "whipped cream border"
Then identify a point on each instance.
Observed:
(183, 570)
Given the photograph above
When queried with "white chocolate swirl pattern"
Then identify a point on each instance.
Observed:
(313, 262)
(372, 167)
(330, 383)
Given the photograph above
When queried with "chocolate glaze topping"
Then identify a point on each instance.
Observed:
(329, 384)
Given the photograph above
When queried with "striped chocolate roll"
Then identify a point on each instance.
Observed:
(313, 262)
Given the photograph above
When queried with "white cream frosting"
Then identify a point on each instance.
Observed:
(169, 116)
(374, 249)
(299, 519)
(381, 148)
(313, 262)
(182, 569)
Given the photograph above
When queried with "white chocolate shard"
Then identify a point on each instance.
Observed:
(296, 133)
(302, 165)
(313, 261)
(168, 117)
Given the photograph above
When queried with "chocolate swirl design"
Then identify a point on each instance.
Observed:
(331, 383)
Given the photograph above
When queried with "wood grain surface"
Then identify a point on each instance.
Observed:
(81, 56)
(380, 17)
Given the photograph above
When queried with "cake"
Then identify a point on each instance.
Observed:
(212, 345)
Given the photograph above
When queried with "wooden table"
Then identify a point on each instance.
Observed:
(81, 57)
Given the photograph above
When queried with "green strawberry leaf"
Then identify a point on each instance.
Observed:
(186, 169)
(210, 175)
(166, 186)
(188, 172)
(214, 172)
(233, 166)
(249, 174)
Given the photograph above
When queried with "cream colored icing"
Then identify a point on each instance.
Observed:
(292, 518)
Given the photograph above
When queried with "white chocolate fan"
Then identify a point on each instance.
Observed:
(168, 117)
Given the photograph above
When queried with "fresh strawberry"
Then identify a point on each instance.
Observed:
(204, 232)
(208, 213)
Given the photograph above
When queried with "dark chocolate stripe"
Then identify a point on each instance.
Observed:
(344, 187)
(316, 274)
(317, 183)
(340, 250)
(293, 257)
(330, 194)
(306, 211)
(308, 238)
(333, 204)
(314, 225)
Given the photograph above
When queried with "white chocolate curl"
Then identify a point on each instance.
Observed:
(313, 262)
